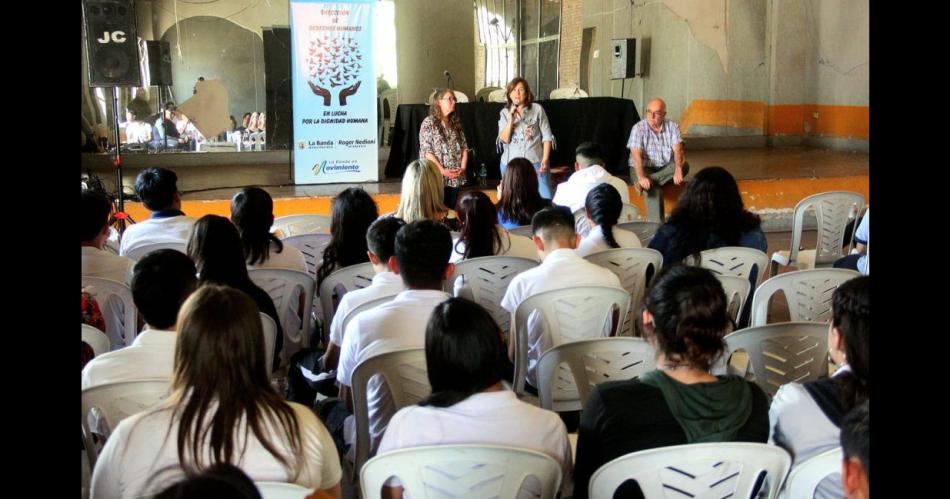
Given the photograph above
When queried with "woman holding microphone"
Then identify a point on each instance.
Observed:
(442, 141)
(524, 132)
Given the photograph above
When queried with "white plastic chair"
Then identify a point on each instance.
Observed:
(632, 266)
(404, 373)
(643, 229)
(522, 230)
(485, 281)
(736, 260)
(522, 246)
(280, 490)
(364, 307)
(104, 406)
(629, 213)
(804, 478)
(461, 471)
(722, 469)
(833, 210)
(737, 292)
(808, 293)
(109, 295)
(96, 339)
(312, 246)
(484, 94)
(567, 93)
(348, 278)
(269, 328)
(137, 252)
(293, 225)
(284, 286)
(565, 315)
(589, 363)
(497, 96)
(783, 352)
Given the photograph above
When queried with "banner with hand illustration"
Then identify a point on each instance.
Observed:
(334, 91)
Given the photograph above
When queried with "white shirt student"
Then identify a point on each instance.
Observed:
(586, 176)
(560, 268)
(151, 355)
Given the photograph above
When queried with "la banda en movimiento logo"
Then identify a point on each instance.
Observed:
(323, 167)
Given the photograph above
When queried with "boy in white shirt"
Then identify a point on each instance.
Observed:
(588, 173)
(94, 215)
(158, 190)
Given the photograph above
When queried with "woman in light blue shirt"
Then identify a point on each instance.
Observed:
(524, 131)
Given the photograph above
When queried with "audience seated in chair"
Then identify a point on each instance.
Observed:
(685, 318)
(422, 257)
(94, 220)
(215, 247)
(588, 173)
(855, 446)
(480, 233)
(223, 409)
(422, 193)
(161, 282)
(858, 259)
(806, 419)
(381, 241)
(465, 355)
(710, 214)
(252, 212)
(560, 268)
(158, 190)
(602, 209)
(518, 197)
(352, 213)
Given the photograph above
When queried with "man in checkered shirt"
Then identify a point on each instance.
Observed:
(656, 156)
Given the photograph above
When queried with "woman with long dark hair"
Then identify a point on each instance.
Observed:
(518, 197)
(222, 409)
(442, 141)
(710, 214)
(252, 212)
(215, 247)
(602, 208)
(466, 359)
(524, 132)
(480, 233)
(353, 212)
(680, 402)
(806, 419)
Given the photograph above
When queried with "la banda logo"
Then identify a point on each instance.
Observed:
(112, 36)
(317, 168)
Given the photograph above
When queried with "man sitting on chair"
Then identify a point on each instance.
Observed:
(158, 190)
(656, 156)
(94, 217)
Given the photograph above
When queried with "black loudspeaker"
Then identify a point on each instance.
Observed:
(112, 49)
(159, 63)
(623, 58)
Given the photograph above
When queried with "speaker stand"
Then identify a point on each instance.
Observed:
(120, 214)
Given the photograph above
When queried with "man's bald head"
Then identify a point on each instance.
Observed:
(660, 103)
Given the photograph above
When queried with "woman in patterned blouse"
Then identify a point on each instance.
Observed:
(442, 141)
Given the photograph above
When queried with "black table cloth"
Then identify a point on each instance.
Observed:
(604, 120)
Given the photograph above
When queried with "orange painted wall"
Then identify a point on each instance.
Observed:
(792, 119)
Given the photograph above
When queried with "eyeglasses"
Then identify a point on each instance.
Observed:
(450, 98)
(656, 113)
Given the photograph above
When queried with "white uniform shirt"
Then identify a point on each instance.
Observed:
(101, 263)
(395, 325)
(138, 448)
(156, 230)
(486, 418)
(797, 424)
(561, 269)
(595, 241)
(573, 192)
(864, 234)
(384, 284)
(151, 355)
(288, 258)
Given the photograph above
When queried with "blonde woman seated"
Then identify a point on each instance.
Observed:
(602, 208)
(465, 359)
(421, 195)
(222, 409)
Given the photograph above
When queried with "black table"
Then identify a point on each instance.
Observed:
(604, 120)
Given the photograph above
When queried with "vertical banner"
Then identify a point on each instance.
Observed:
(334, 91)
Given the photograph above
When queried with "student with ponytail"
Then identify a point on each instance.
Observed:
(602, 208)
(680, 402)
(806, 419)
(465, 359)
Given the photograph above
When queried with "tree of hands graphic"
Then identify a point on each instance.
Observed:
(334, 62)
